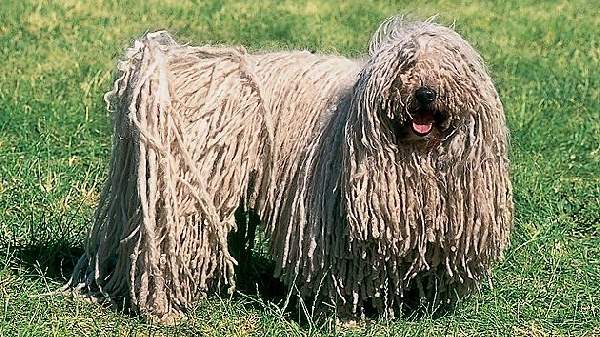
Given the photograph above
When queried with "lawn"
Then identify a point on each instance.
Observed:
(57, 60)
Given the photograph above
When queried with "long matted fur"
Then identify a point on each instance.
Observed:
(358, 210)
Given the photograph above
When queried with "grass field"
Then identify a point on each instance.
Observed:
(57, 59)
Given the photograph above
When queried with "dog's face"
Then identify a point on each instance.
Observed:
(431, 83)
(424, 115)
(417, 102)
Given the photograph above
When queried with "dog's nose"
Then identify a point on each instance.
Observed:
(425, 95)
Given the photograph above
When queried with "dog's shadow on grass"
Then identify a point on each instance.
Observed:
(54, 259)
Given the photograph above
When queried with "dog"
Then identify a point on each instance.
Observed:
(377, 179)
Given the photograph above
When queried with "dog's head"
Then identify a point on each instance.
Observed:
(422, 82)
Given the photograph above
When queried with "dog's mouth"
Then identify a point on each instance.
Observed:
(422, 124)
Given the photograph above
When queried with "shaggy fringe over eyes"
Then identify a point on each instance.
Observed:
(354, 218)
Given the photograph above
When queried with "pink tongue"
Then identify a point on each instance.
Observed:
(421, 128)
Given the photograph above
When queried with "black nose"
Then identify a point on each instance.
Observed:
(425, 95)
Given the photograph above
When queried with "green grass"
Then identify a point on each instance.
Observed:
(57, 59)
